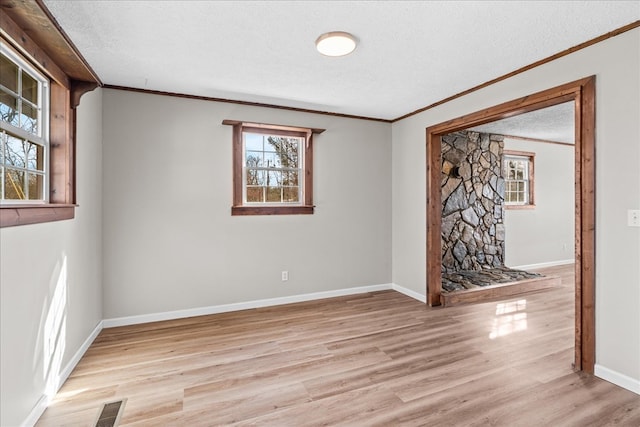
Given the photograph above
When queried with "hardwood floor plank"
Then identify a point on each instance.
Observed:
(378, 358)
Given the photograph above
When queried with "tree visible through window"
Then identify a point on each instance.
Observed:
(24, 141)
(272, 169)
(518, 175)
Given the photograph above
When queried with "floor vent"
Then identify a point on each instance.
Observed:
(110, 414)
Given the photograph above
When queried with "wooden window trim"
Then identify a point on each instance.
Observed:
(238, 207)
(46, 48)
(531, 157)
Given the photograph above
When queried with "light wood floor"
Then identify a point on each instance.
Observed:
(372, 359)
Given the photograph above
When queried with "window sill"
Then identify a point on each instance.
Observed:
(14, 215)
(272, 210)
(519, 207)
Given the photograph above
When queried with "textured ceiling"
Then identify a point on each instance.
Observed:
(555, 123)
(411, 54)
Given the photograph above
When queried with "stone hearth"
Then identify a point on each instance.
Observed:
(472, 279)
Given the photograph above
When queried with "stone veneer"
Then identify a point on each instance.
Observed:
(472, 201)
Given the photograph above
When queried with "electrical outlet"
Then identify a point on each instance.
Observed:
(633, 218)
(285, 276)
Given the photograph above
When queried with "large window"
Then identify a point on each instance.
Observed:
(273, 171)
(42, 78)
(518, 174)
(272, 167)
(24, 139)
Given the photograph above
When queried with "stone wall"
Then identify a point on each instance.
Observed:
(472, 201)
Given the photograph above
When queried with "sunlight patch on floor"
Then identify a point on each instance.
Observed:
(510, 317)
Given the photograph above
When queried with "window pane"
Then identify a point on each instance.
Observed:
(9, 109)
(253, 141)
(14, 185)
(36, 186)
(29, 118)
(290, 178)
(9, 74)
(274, 178)
(3, 138)
(253, 159)
(255, 194)
(255, 177)
(272, 160)
(35, 157)
(274, 194)
(15, 152)
(290, 194)
(29, 88)
(287, 150)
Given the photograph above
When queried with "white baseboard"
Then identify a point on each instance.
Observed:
(202, 311)
(409, 293)
(45, 400)
(543, 264)
(37, 411)
(617, 378)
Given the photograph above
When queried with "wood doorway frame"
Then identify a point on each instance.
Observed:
(582, 92)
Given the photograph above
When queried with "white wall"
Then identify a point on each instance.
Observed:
(545, 234)
(47, 269)
(616, 63)
(170, 242)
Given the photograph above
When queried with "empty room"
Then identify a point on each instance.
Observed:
(302, 213)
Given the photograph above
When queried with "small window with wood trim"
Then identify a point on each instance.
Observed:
(24, 139)
(518, 171)
(272, 169)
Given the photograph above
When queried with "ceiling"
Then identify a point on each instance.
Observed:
(411, 53)
(555, 124)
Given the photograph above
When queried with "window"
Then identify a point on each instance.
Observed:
(24, 139)
(272, 169)
(41, 82)
(518, 174)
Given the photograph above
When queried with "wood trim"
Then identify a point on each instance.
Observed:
(434, 218)
(271, 210)
(585, 227)
(237, 166)
(69, 49)
(79, 88)
(519, 207)
(35, 20)
(235, 101)
(521, 70)
(308, 172)
(11, 216)
(518, 153)
(499, 291)
(268, 128)
(546, 141)
(583, 93)
(61, 165)
(15, 37)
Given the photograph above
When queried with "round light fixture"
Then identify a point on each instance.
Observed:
(336, 43)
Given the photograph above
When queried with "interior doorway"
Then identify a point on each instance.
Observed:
(582, 93)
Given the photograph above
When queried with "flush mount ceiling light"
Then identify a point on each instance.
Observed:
(336, 43)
